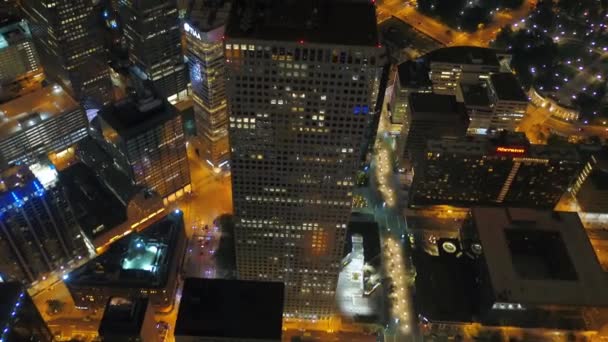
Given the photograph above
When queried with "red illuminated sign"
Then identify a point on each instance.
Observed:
(517, 150)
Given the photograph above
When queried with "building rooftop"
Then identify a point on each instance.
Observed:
(20, 183)
(536, 257)
(139, 259)
(512, 143)
(433, 103)
(96, 207)
(208, 15)
(123, 317)
(414, 74)
(12, 32)
(464, 55)
(328, 22)
(475, 94)
(507, 87)
(31, 109)
(131, 117)
(229, 308)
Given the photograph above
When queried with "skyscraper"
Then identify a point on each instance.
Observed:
(145, 138)
(18, 58)
(66, 35)
(204, 36)
(20, 319)
(302, 81)
(151, 29)
(38, 231)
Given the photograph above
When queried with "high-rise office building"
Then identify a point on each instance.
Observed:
(66, 34)
(153, 36)
(302, 84)
(56, 123)
(38, 231)
(484, 170)
(145, 138)
(204, 29)
(20, 319)
(18, 58)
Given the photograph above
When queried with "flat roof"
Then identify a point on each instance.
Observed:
(507, 87)
(414, 74)
(11, 293)
(131, 117)
(539, 257)
(464, 55)
(487, 145)
(475, 94)
(32, 108)
(236, 309)
(139, 259)
(96, 207)
(433, 103)
(123, 317)
(329, 22)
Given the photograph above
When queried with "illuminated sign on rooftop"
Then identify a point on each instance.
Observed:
(517, 150)
(192, 31)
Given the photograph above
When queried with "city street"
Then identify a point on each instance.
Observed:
(537, 117)
(212, 197)
(446, 35)
(384, 198)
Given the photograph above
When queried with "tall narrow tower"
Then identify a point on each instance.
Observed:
(302, 81)
(204, 29)
(66, 34)
(151, 28)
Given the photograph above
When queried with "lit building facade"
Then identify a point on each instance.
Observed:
(38, 230)
(146, 141)
(141, 264)
(20, 320)
(486, 170)
(58, 123)
(153, 36)
(67, 38)
(411, 77)
(301, 106)
(18, 57)
(509, 99)
(431, 116)
(452, 65)
(204, 31)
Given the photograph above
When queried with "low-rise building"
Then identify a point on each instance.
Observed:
(143, 263)
(509, 99)
(452, 65)
(39, 123)
(511, 267)
(479, 106)
(411, 77)
(497, 169)
(432, 116)
(230, 310)
(128, 320)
